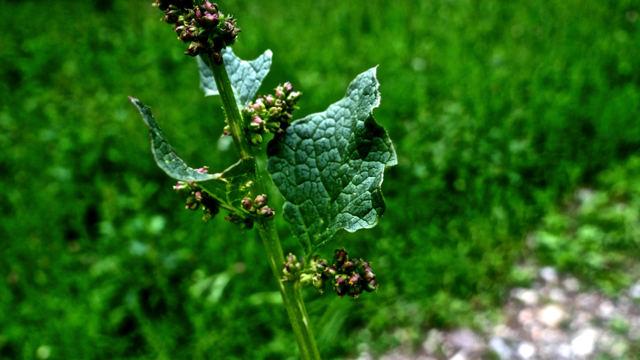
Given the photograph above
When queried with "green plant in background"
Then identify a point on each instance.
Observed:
(328, 166)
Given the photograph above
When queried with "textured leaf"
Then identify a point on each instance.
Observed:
(329, 166)
(165, 156)
(246, 76)
(233, 184)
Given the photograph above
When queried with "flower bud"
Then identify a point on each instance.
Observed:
(182, 186)
(198, 195)
(260, 200)
(306, 279)
(256, 123)
(348, 265)
(332, 271)
(194, 49)
(203, 170)
(273, 126)
(192, 203)
(256, 139)
(368, 275)
(371, 285)
(292, 258)
(226, 131)
(294, 96)
(274, 112)
(209, 20)
(266, 211)
(279, 92)
(318, 283)
(287, 87)
(353, 279)
(269, 100)
(210, 8)
(259, 107)
(321, 265)
(340, 256)
(246, 203)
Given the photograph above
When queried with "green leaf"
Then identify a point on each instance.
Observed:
(165, 156)
(329, 166)
(233, 184)
(246, 76)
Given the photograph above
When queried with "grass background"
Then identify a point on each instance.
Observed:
(499, 112)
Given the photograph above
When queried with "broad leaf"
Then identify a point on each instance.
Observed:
(329, 166)
(233, 184)
(165, 156)
(245, 76)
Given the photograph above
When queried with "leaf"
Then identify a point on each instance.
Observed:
(233, 184)
(329, 166)
(246, 76)
(165, 156)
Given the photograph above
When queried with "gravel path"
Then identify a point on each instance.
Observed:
(553, 320)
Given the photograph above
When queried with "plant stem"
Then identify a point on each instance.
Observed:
(290, 291)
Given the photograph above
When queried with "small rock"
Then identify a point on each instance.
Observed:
(549, 274)
(461, 355)
(525, 316)
(557, 295)
(551, 315)
(583, 344)
(581, 319)
(571, 284)
(586, 301)
(433, 342)
(466, 340)
(500, 347)
(526, 296)
(606, 309)
(564, 350)
(634, 291)
(526, 350)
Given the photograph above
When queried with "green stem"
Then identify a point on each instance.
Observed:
(290, 291)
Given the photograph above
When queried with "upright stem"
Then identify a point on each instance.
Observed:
(290, 291)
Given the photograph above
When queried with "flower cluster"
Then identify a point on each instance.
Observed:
(258, 206)
(198, 198)
(203, 27)
(271, 113)
(349, 277)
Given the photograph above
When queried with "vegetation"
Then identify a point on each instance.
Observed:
(500, 112)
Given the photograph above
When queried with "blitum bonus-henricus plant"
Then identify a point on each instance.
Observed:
(328, 166)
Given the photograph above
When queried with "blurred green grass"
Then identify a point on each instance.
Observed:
(498, 110)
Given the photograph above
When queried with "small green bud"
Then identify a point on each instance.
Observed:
(256, 139)
(292, 258)
(332, 272)
(306, 279)
(371, 286)
(318, 283)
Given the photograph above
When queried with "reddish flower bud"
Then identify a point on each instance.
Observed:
(260, 200)
(269, 100)
(353, 279)
(246, 203)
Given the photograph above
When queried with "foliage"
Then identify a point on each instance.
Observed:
(497, 109)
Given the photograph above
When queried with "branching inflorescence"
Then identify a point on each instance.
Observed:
(328, 166)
